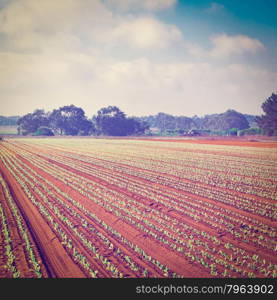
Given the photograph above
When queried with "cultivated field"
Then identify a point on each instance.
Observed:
(8, 130)
(137, 208)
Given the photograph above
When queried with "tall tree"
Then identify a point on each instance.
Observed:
(268, 121)
(184, 123)
(29, 123)
(165, 121)
(252, 120)
(70, 120)
(226, 121)
(111, 121)
(197, 121)
(135, 126)
(233, 119)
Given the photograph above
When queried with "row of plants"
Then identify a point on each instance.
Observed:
(64, 176)
(127, 258)
(31, 259)
(127, 208)
(126, 182)
(9, 257)
(265, 208)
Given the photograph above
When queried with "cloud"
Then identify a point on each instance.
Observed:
(145, 32)
(69, 25)
(150, 5)
(226, 45)
(188, 88)
(54, 53)
(142, 86)
(43, 17)
(29, 25)
(139, 87)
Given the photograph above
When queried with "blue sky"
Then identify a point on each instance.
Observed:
(181, 57)
(200, 19)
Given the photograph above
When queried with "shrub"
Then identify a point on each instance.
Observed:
(250, 131)
(44, 131)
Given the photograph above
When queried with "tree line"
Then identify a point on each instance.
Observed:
(230, 122)
(111, 121)
(71, 120)
(225, 122)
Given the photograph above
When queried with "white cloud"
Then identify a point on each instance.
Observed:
(150, 5)
(226, 45)
(145, 32)
(138, 87)
(30, 15)
(142, 87)
(38, 25)
(61, 52)
(70, 25)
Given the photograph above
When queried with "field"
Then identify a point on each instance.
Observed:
(84, 207)
(8, 130)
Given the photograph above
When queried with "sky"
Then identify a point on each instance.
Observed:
(182, 57)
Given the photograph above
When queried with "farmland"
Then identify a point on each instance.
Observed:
(8, 130)
(83, 207)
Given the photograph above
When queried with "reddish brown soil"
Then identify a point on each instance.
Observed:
(175, 214)
(22, 261)
(53, 253)
(154, 249)
(59, 262)
(231, 142)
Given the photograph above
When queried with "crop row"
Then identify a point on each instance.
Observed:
(153, 229)
(13, 244)
(83, 224)
(152, 173)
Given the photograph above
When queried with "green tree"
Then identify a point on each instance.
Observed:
(43, 130)
(165, 122)
(233, 131)
(197, 121)
(184, 123)
(233, 119)
(70, 120)
(29, 123)
(268, 121)
(134, 126)
(112, 121)
(250, 131)
(225, 121)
